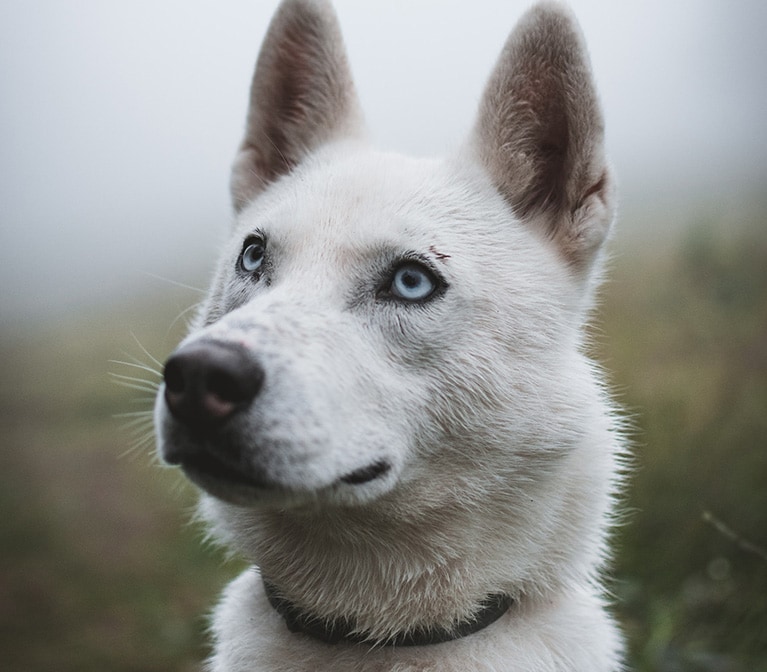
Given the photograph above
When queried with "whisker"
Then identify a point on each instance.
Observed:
(135, 414)
(146, 352)
(121, 376)
(149, 387)
(146, 401)
(138, 445)
(144, 374)
(174, 282)
(136, 424)
(137, 365)
(183, 313)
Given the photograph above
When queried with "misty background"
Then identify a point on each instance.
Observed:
(119, 120)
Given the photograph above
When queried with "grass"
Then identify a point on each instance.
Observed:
(100, 568)
(687, 341)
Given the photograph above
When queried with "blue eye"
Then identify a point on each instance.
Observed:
(252, 256)
(413, 282)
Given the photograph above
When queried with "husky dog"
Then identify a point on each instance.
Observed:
(385, 396)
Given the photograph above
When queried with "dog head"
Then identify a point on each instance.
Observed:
(383, 324)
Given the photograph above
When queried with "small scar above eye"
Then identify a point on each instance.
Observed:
(440, 256)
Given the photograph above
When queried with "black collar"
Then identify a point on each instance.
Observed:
(342, 629)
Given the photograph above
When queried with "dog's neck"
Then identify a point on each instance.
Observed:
(345, 630)
(386, 571)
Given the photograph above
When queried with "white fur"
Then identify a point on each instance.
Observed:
(501, 442)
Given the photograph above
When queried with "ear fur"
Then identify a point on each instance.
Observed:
(301, 97)
(540, 133)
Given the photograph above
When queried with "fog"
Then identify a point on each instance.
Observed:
(118, 120)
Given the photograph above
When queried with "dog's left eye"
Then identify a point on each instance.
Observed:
(252, 255)
(413, 282)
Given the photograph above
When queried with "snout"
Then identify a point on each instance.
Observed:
(209, 386)
(245, 427)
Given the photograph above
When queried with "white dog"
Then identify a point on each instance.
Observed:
(385, 396)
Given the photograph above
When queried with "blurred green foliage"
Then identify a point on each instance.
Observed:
(100, 568)
(686, 338)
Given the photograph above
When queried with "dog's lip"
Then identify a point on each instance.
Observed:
(366, 474)
(204, 468)
(245, 484)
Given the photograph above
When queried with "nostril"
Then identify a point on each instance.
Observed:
(174, 376)
(227, 387)
(207, 382)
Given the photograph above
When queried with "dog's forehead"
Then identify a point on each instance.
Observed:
(355, 199)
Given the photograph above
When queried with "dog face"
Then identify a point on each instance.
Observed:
(380, 324)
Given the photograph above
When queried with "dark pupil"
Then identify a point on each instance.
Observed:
(254, 252)
(410, 279)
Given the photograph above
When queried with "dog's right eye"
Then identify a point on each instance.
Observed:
(412, 282)
(252, 255)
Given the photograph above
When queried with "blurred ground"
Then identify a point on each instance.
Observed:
(99, 568)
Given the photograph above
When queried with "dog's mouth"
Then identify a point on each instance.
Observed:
(208, 466)
(367, 474)
(247, 485)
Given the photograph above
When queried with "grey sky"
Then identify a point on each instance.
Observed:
(118, 119)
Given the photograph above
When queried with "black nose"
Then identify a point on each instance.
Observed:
(209, 381)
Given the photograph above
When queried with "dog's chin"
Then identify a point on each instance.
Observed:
(252, 489)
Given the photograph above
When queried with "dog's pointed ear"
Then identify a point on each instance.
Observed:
(301, 97)
(540, 134)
